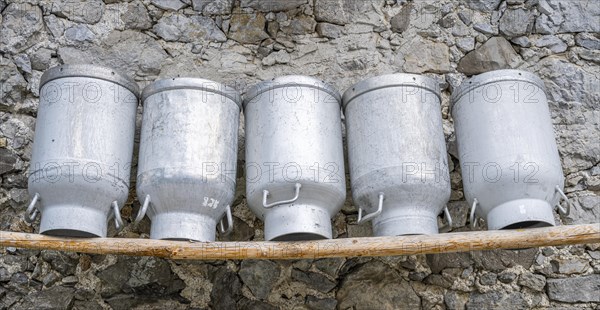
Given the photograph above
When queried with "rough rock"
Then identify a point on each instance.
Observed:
(329, 30)
(569, 266)
(226, 290)
(85, 11)
(179, 27)
(375, 285)
(260, 276)
(248, 28)
(466, 44)
(535, 282)
(342, 12)
(169, 5)
(57, 297)
(273, 5)
(485, 28)
(136, 16)
(40, 60)
(496, 53)
(498, 260)
(576, 16)
(516, 22)
(213, 7)
(426, 56)
(79, 34)
(300, 25)
(555, 44)
(588, 40)
(313, 279)
(7, 161)
(20, 26)
(438, 262)
(401, 21)
(483, 5)
(496, 300)
(580, 289)
(315, 303)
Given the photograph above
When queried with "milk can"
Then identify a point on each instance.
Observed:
(511, 169)
(188, 158)
(397, 154)
(81, 158)
(294, 157)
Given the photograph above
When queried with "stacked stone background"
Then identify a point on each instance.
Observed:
(240, 42)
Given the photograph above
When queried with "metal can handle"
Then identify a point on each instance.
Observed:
(32, 210)
(223, 231)
(472, 215)
(142, 211)
(117, 214)
(564, 197)
(277, 203)
(371, 216)
(448, 226)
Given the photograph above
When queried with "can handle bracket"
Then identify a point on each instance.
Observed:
(561, 209)
(229, 217)
(277, 203)
(473, 219)
(448, 226)
(371, 216)
(117, 214)
(142, 211)
(32, 210)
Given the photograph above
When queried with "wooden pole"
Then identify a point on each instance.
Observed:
(345, 247)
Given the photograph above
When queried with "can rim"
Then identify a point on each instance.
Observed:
(90, 71)
(290, 80)
(192, 83)
(391, 80)
(494, 76)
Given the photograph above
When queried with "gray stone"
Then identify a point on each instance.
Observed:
(4, 274)
(572, 16)
(521, 41)
(23, 62)
(375, 285)
(496, 53)
(465, 17)
(226, 290)
(79, 34)
(55, 25)
(330, 266)
(342, 12)
(272, 5)
(57, 297)
(588, 40)
(488, 278)
(136, 16)
(260, 276)
(280, 57)
(315, 303)
(426, 56)
(554, 43)
(498, 260)
(248, 28)
(61, 262)
(313, 279)
(84, 11)
(485, 28)
(516, 22)
(40, 59)
(507, 276)
(300, 25)
(329, 30)
(483, 5)
(589, 55)
(245, 303)
(401, 21)
(572, 290)
(20, 27)
(169, 5)
(569, 266)
(438, 262)
(465, 44)
(535, 282)
(117, 51)
(179, 27)
(496, 300)
(213, 7)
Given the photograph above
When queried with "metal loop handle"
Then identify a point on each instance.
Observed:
(142, 211)
(371, 216)
(32, 210)
(223, 231)
(277, 203)
(117, 214)
(472, 218)
(448, 226)
(564, 197)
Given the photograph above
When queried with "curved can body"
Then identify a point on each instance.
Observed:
(397, 153)
(295, 178)
(188, 156)
(83, 144)
(510, 165)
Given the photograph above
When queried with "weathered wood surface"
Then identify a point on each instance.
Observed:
(346, 247)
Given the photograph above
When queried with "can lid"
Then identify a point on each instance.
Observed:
(192, 83)
(291, 81)
(90, 71)
(494, 77)
(391, 80)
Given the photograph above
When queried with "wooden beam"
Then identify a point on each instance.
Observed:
(345, 247)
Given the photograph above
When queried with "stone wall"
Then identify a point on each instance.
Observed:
(240, 42)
